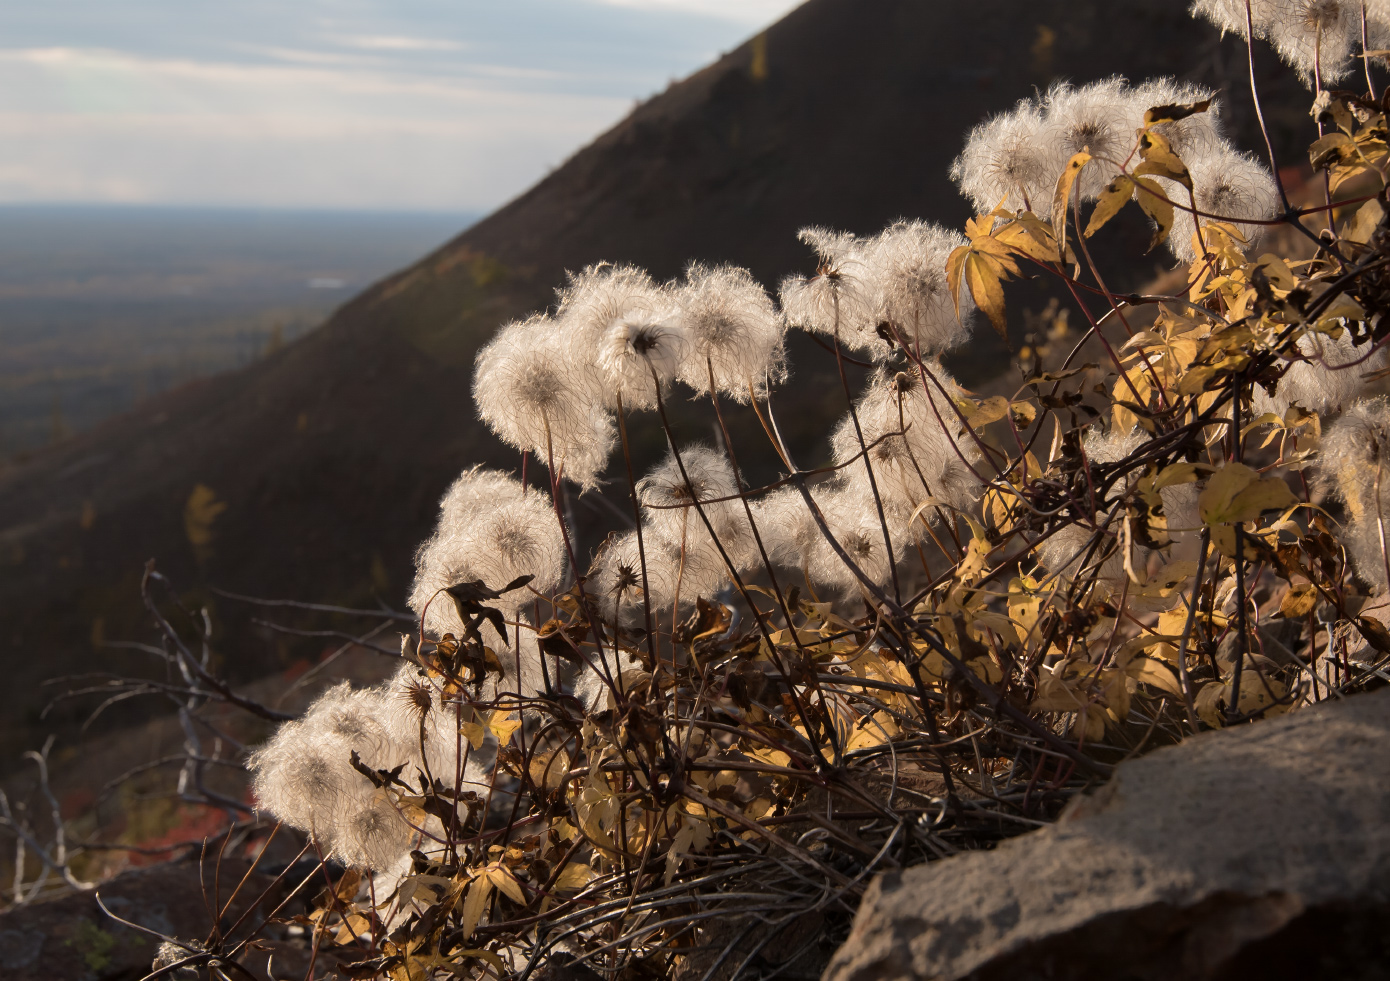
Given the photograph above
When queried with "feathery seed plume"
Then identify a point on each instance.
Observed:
(1316, 37)
(534, 394)
(734, 329)
(1226, 183)
(1356, 470)
(1330, 378)
(838, 300)
(917, 462)
(670, 502)
(640, 356)
(1005, 163)
(907, 269)
(509, 535)
(1101, 117)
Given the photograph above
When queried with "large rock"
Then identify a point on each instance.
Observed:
(1259, 852)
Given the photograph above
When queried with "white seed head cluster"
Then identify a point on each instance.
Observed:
(1356, 469)
(1079, 552)
(669, 497)
(911, 293)
(838, 299)
(491, 529)
(1100, 118)
(1005, 163)
(533, 393)
(734, 329)
(1330, 378)
(1225, 183)
(896, 278)
(640, 356)
(1038, 138)
(683, 562)
(924, 462)
(305, 777)
(1317, 37)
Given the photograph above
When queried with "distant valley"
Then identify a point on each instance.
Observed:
(101, 307)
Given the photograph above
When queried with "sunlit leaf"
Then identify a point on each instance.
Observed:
(1111, 200)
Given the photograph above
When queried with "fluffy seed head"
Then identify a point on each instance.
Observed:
(511, 534)
(915, 446)
(535, 394)
(853, 521)
(1356, 469)
(372, 835)
(641, 354)
(839, 299)
(1100, 117)
(1073, 552)
(1191, 137)
(907, 269)
(1226, 183)
(1330, 378)
(1005, 162)
(674, 575)
(734, 330)
(669, 501)
(1313, 36)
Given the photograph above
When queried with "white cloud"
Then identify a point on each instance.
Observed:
(178, 131)
(456, 104)
(755, 13)
(387, 43)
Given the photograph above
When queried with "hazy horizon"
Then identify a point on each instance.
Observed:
(104, 305)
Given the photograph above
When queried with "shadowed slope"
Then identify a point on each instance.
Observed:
(330, 455)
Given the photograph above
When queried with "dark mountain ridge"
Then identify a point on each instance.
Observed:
(330, 455)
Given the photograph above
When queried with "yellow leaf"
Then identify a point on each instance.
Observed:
(987, 290)
(1299, 601)
(1025, 604)
(1031, 237)
(1157, 206)
(574, 877)
(1172, 113)
(981, 414)
(503, 726)
(1112, 199)
(1061, 196)
(474, 733)
(495, 962)
(1238, 493)
(1210, 703)
(1024, 413)
(1151, 672)
(1176, 473)
(475, 904)
(1363, 223)
(1160, 160)
(503, 879)
(1329, 149)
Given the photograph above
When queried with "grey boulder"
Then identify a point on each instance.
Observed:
(1257, 852)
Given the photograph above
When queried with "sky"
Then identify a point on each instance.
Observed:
(437, 105)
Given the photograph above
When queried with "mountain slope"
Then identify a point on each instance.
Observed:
(329, 456)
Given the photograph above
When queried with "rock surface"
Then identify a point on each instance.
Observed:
(1260, 852)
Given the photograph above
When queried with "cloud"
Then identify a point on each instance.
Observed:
(116, 127)
(453, 104)
(755, 13)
